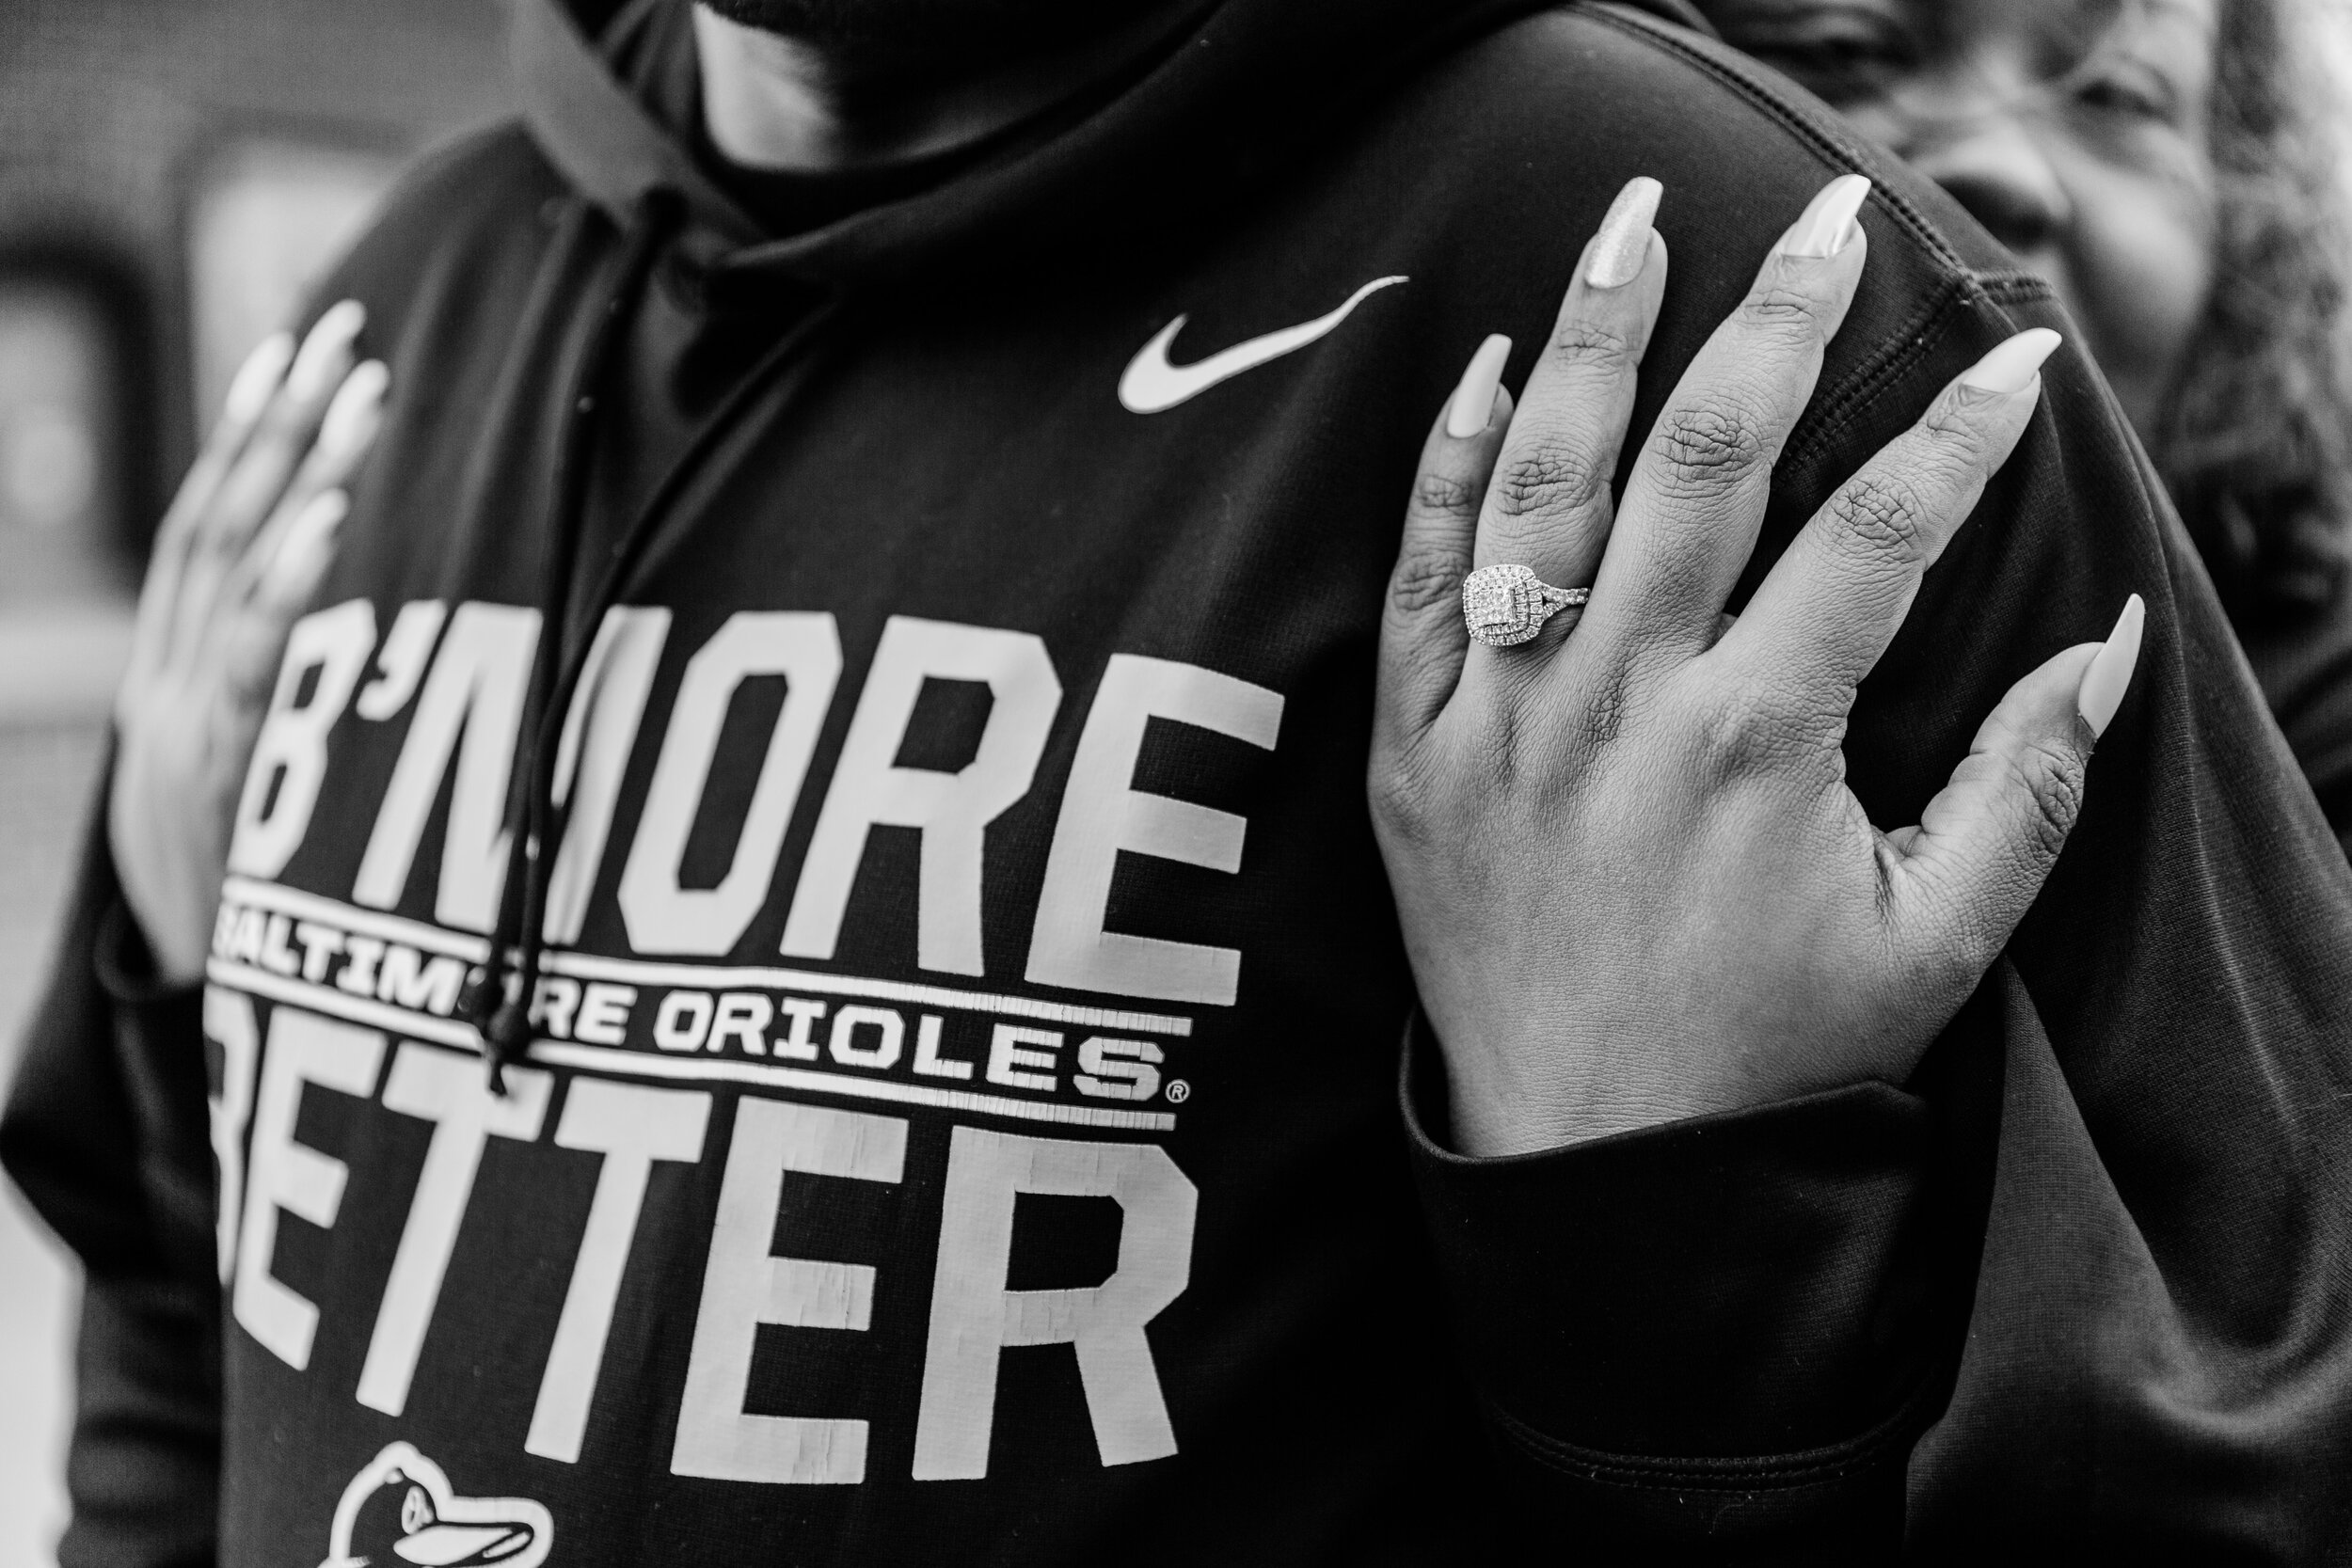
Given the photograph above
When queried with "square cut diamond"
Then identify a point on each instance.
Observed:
(1495, 603)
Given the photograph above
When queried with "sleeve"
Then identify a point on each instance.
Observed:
(2083, 1278)
(104, 1133)
(2156, 1350)
(1702, 1334)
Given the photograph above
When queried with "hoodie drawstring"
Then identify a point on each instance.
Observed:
(499, 1010)
(499, 1003)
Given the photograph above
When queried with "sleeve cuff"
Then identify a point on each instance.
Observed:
(1741, 1284)
(125, 965)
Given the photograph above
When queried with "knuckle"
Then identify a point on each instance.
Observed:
(1781, 304)
(2053, 782)
(1549, 478)
(1707, 444)
(1752, 726)
(1444, 495)
(1956, 423)
(1884, 513)
(1427, 574)
(1589, 342)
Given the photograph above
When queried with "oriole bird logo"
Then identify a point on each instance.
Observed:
(401, 1508)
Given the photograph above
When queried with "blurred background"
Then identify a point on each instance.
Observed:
(174, 175)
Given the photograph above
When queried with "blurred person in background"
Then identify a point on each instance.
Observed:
(1011, 1147)
(2174, 168)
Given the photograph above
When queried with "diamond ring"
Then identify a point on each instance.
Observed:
(1505, 606)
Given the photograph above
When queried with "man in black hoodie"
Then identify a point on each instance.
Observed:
(954, 1114)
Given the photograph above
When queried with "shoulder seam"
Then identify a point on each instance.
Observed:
(2007, 283)
(1841, 155)
(1962, 285)
(1886, 365)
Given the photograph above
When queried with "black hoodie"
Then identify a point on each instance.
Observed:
(961, 1115)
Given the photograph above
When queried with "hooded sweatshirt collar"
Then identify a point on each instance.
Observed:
(1226, 104)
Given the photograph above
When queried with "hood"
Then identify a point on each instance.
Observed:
(1238, 93)
(1232, 99)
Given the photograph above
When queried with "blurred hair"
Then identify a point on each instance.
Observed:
(2255, 437)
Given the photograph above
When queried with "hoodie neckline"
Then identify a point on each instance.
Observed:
(1225, 106)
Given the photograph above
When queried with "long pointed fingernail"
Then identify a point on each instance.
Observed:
(257, 378)
(2012, 365)
(2110, 672)
(1622, 242)
(333, 334)
(350, 420)
(1831, 220)
(1473, 402)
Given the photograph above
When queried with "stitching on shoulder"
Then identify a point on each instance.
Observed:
(1890, 363)
(1962, 286)
(1840, 153)
(2015, 287)
(1903, 351)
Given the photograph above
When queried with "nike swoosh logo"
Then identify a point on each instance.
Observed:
(1151, 384)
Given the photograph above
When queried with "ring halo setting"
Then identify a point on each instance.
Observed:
(1505, 606)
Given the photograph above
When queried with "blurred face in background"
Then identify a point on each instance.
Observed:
(2074, 130)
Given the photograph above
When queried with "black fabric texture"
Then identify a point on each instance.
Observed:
(2304, 664)
(2079, 1284)
(105, 1135)
(144, 1470)
(1726, 1326)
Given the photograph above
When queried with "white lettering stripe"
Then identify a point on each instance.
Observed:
(692, 1070)
(368, 922)
(337, 1003)
(636, 1064)
(709, 978)
(433, 939)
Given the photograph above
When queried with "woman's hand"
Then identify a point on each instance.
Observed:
(236, 559)
(1633, 883)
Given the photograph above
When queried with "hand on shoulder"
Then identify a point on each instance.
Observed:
(1633, 883)
(237, 558)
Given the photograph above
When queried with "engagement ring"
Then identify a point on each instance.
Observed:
(1507, 605)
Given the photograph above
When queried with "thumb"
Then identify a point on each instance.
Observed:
(1965, 875)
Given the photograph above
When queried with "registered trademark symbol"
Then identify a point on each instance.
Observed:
(1178, 1091)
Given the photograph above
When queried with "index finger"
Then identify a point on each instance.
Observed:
(1547, 507)
(1421, 636)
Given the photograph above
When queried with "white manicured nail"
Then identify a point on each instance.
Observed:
(1473, 402)
(1831, 220)
(257, 378)
(351, 418)
(2110, 672)
(2011, 366)
(324, 348)
(1622, 246)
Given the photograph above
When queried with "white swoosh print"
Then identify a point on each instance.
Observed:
(1152, 384)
